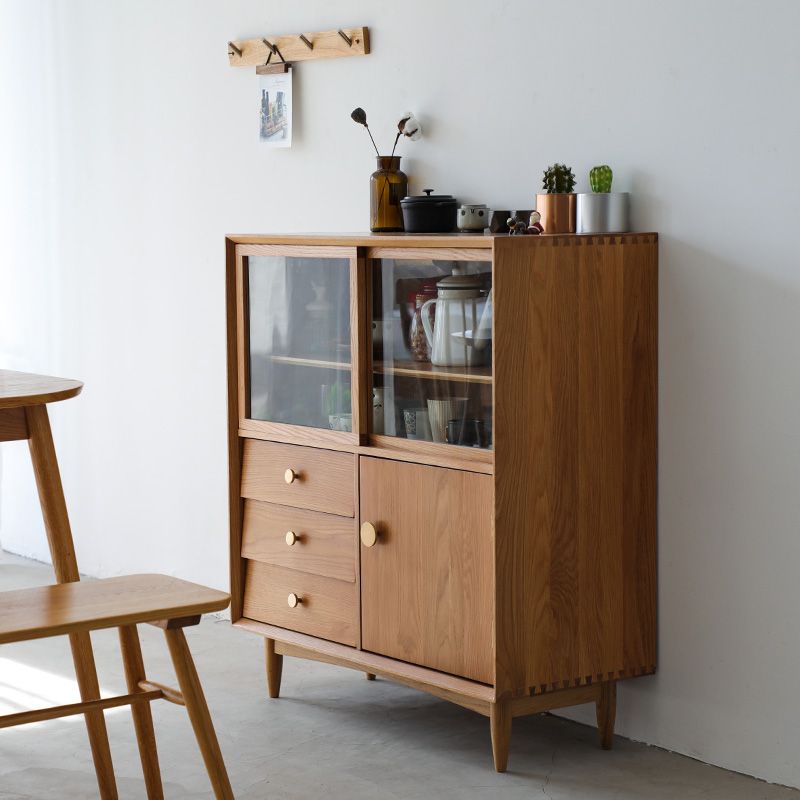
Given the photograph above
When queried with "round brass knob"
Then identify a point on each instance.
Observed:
(290, 476)
(293, 600)
(291, 538)
(368, 534)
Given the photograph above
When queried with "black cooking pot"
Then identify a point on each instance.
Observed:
(429, 213)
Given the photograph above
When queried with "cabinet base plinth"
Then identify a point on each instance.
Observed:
(477, 697)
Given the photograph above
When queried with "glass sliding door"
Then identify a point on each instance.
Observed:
(432, 350)
(299, 340)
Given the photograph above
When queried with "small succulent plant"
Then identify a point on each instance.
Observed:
(558, 179)
(600, 178)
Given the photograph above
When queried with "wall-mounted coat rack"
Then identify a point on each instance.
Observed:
(276, 53)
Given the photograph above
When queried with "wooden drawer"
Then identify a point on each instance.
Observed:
(324, 544)
(325, 480)
(328, 608)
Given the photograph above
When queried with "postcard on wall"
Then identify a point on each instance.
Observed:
(275, 113)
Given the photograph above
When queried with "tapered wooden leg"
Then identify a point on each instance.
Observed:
(142, 715)
(62, 552)
(370, 676)
(198, 712)
(274, 668)
(606, 713)
(500, 725)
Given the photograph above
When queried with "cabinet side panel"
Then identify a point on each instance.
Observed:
(575, 382)
(640, 454)
(232, 311)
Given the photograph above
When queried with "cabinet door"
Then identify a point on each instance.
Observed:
(432, 348)
(427, 591)
(296, 338)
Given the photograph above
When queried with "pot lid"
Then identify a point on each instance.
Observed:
(428, 197)
(458, 280)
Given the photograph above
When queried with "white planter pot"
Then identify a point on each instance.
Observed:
(603, 212)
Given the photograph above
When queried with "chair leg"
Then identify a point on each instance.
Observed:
(500, 726)
(606, 707)
(142, 715)
(62, 551)
(198, 712)
(86, 675)
(274, 668)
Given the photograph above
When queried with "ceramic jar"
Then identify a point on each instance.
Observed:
(474, 217)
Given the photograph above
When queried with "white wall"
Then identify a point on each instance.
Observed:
(128, 151)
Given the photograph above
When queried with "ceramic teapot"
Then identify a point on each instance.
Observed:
(454, 340)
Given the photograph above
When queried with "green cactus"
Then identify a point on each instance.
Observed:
(558, 179)
(600, 178)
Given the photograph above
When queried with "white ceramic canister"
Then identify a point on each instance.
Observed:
(474, 217)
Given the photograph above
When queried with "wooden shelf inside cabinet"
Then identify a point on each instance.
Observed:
(427, 371)
(311, 362)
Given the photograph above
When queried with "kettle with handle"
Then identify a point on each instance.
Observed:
(457, 317)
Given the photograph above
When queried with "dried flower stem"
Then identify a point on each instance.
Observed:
(396, 140)
(372, 140)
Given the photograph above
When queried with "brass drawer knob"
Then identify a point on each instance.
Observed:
(293, 600)
(368, 534)
(291, 538)
(290, 476)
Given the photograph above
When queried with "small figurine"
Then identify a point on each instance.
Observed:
(535, 225)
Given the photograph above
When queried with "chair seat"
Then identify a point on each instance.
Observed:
(89, 605)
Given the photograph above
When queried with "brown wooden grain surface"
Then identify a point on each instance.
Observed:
(324, 482)
(575, 378)
(427, 585)
(13, 426)
(235, 381)
(287, 640)
(111, 602)
(18, 389)
(324, 546)
(328, 608)
(325, 44)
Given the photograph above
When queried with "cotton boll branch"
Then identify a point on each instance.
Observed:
(409, 127)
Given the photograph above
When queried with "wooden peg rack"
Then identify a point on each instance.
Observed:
(275, 53)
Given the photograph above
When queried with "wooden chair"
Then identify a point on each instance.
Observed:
(74, 609)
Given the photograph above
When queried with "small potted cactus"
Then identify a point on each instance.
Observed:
(557, 203)
(601, 210)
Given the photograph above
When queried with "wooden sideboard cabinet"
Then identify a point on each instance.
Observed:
(472, 515)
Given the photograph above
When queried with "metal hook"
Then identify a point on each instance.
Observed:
(306, 42)
(235, 49)
(273, 50)
(346, 38)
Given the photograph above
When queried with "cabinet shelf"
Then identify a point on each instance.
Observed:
(310, 362)
(427, 371)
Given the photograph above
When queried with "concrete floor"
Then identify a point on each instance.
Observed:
(332, 734)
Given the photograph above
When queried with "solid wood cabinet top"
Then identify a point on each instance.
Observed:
(433, 239)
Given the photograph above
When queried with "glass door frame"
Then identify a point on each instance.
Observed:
(285, 432)
(406, 449)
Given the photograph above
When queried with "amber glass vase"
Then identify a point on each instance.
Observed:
(387, 187)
